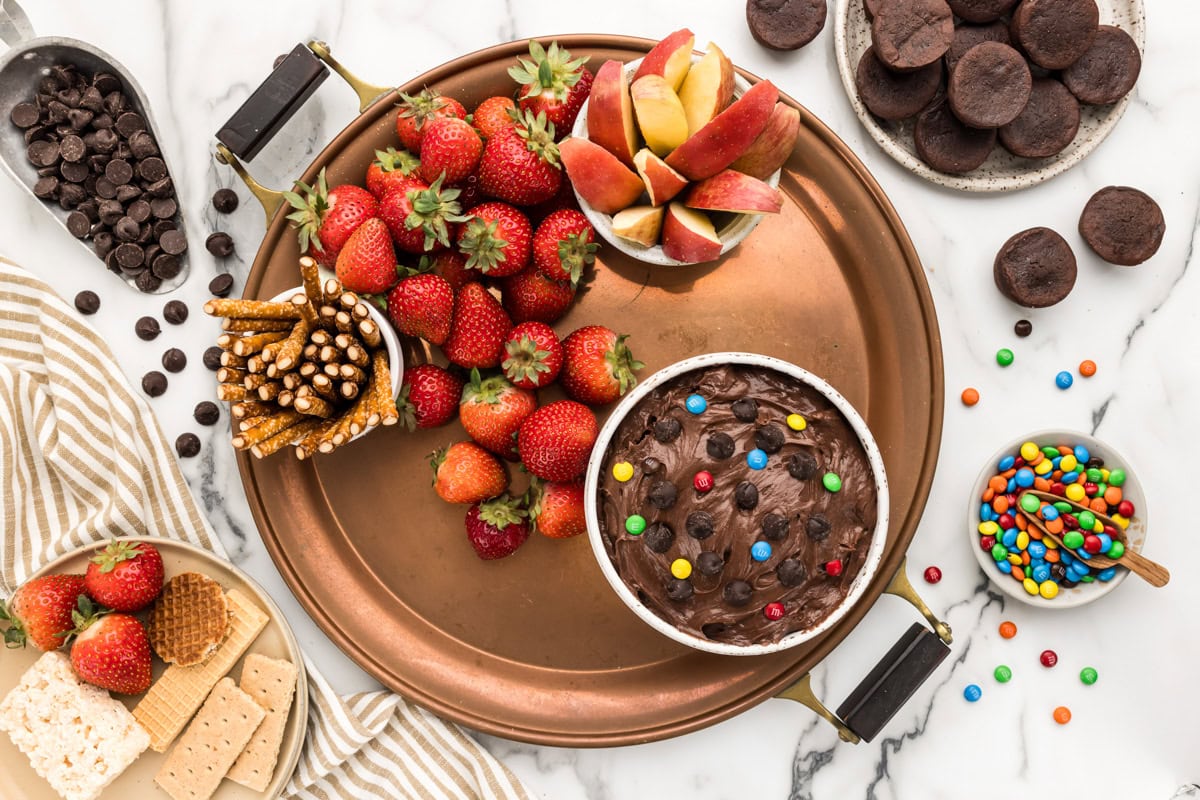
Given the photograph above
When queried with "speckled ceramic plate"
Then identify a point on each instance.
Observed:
(1002, 172)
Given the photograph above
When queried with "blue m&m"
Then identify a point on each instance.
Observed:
(756, 459)
(695, 404)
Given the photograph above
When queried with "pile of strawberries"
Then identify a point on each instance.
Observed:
(93, 611)
(492, 248)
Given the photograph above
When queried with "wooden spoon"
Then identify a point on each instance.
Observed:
(1151, 571)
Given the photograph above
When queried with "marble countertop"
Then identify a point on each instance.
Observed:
(1134, 733)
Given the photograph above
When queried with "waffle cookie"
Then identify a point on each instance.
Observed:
(189, 620)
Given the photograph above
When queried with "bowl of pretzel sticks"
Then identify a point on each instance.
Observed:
(312, 368)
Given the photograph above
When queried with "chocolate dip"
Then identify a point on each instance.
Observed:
(821, 526)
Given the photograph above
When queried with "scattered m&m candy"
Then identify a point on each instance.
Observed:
(969, 396)
(932, 574)
(1062, 715)
(695, 403)
(1088, 675)
(796, 422)
(832, 482)
(1002, 674)
(622, 471)
(1048, 658)
(1087, 368)
(774, 611)
(681, 568)
(1004, 357)
(756, 459)
(1063, 380)
(635, 524)
(1008, 629)
(972, 693)
(760, 551)
(703, 481)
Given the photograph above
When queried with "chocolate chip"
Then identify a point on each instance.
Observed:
(709, 563)
(222, 284)
(109, 210)
(737, 593)
(147, 281)
(78, 224)
(679, 590)
(87, 302)
(659, 537)
(105, 140)
(173, 242)
(225, 201)
(720, 446)
(147, 328)
(212, 358)
(662, 495)
(164, 208)
(72, 148)
(74, 171)
(174, 360)
(70, 195)
(105, 189)
(166, 266)
(817, 527)
(118, 171)
(90, 208)
(46, 188)
(130, 257)
(142, 145)
(699, 525)
(791, 572)
(106, 83)
(770, 438)
(187, 445)
(650, 464)
(154, 383)
(220, 244)
(802, 466)
(162, 226)
(161, 188)
(152, 169)
(24, 115)
(175, 312)
(80, 118)
(138, 211)
(746, 495)
(667, 430)
(42, 153)
(207, 412)
(775, 527)
(127, 229)
(130, 123)
(745, 410)
(1023, 328)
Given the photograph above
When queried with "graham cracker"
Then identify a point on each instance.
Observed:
(174, 698)
(272, 684)
(211, 744)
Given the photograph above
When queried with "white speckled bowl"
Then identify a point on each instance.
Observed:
(592, 485)
(1082, 593)
(731, 235)
(1003, 171)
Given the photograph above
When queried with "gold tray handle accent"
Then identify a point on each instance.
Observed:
(901, 587)
(270, 199)
(367, 93)
(801, 691)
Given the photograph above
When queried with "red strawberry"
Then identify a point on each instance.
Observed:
(563, 245)
(493, 115)
(450, 148)
(125, 576)
(428, 396)
(420, 218)
(492, 410)
(520, 163)
(556, 509)
(422, 305)
(40, 611)
(497, 528)
(326, 217)
(556, 440)
(367, 263)
(598, 366)
(533, 355)
(554, 84)
(496, 239)
(466, 473)
(530, 295)
(112, 652)
(451, 265)
(417, 110)
(479, 328)
(391, 168)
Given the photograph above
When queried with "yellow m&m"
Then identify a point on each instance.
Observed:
(622, 471)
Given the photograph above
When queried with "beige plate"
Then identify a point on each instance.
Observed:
(276, 641)
(1003, 171)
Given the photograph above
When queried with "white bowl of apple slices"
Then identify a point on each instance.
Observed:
(675, 158)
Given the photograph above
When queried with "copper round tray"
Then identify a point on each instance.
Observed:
(536, 647)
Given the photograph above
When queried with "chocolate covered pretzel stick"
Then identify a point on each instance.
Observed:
(349, 390)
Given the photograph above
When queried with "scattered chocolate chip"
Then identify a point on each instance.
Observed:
(775, 527)
(78, 224)
(187, 445)
(709, 563)
(105, 189)
(74, 172)
(679, 590)
(662, 495)
(147, 328)
(207, 412)
(175, 312)
(220, 244)
(147, 281)
(173, 242)
(745, 409)
(802, 466)
(87, 302)
(174, 360)
(212, 358)
(699, 525)
(650, 464)
(746, 495)
(154, 383)
(659, 537)
(225, 201)
(1023, 328)
(791, 572)
(737, 593)
(770, 438)
(720, 446)
(667, 430)
(818, 527)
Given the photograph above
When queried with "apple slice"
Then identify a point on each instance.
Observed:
(660, 115)
(719, 143)
(600, 178)
(733, 191)
(640, 224)
(707, 89)
(773, 146)
(689, 236)
(670, 58)
(662, 182)
(610, 113)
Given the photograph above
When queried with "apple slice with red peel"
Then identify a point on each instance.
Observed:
(600, 178)
(688, 235)
(610, 113)
(640, 224)
(660, 115)
(707, 89)
(773, 146)
(671, 58)
(662, 182)
(727, 136)
(734, 191)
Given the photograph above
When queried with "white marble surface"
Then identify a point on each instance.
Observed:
(1134, 734)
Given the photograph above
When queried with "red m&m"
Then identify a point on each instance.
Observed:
(703, 481)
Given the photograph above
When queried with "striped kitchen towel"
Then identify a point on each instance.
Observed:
(82, 459)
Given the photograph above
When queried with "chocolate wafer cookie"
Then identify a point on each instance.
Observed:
(1108, 70)
(785, 24)
(910, 34)
(1122, 225)
(1035, 268)
(1047, 124)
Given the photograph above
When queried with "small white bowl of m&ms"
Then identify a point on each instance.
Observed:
(1015, 554)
